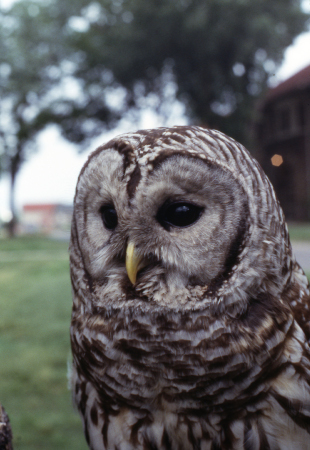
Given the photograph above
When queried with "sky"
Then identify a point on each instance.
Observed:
(50, 174)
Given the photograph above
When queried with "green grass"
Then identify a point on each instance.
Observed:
(25, 243)
(35, 302)
(299, 231)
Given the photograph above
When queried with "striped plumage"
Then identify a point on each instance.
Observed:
(207, 347)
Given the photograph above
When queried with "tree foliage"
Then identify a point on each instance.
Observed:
(219, 53)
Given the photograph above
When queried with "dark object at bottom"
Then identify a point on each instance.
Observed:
(5, 431)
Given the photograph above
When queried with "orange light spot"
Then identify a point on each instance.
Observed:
(276, 160)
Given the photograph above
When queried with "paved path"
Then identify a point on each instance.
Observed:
(302, 253)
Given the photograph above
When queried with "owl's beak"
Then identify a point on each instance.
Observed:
(134, 262)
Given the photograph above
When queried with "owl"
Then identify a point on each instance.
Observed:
(190, 315)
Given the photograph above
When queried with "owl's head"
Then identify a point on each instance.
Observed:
(179, 217)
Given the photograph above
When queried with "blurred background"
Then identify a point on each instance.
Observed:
(73, 74)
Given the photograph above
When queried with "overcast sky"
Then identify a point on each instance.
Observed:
(49, 176)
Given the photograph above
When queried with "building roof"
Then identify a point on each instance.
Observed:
(39, 207)
(299, 81)
(47, 207)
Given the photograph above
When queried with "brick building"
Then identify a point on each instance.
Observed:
(284, 143)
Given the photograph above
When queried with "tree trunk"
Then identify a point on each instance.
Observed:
(13, 172)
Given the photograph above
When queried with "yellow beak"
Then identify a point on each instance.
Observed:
(134, 262)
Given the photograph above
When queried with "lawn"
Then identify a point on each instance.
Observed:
(35, 302)
(299, 231)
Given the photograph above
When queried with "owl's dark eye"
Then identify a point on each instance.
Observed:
(109, 216)
(178, 214)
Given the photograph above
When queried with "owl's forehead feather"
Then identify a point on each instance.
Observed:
(147, 145)
(151, 146)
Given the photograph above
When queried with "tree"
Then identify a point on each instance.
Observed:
(32, 71)
(36, 68)
(25, 80)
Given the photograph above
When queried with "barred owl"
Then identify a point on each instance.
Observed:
(190, 314)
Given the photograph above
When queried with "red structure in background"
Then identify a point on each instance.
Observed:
(284, 143)
(47, 219)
